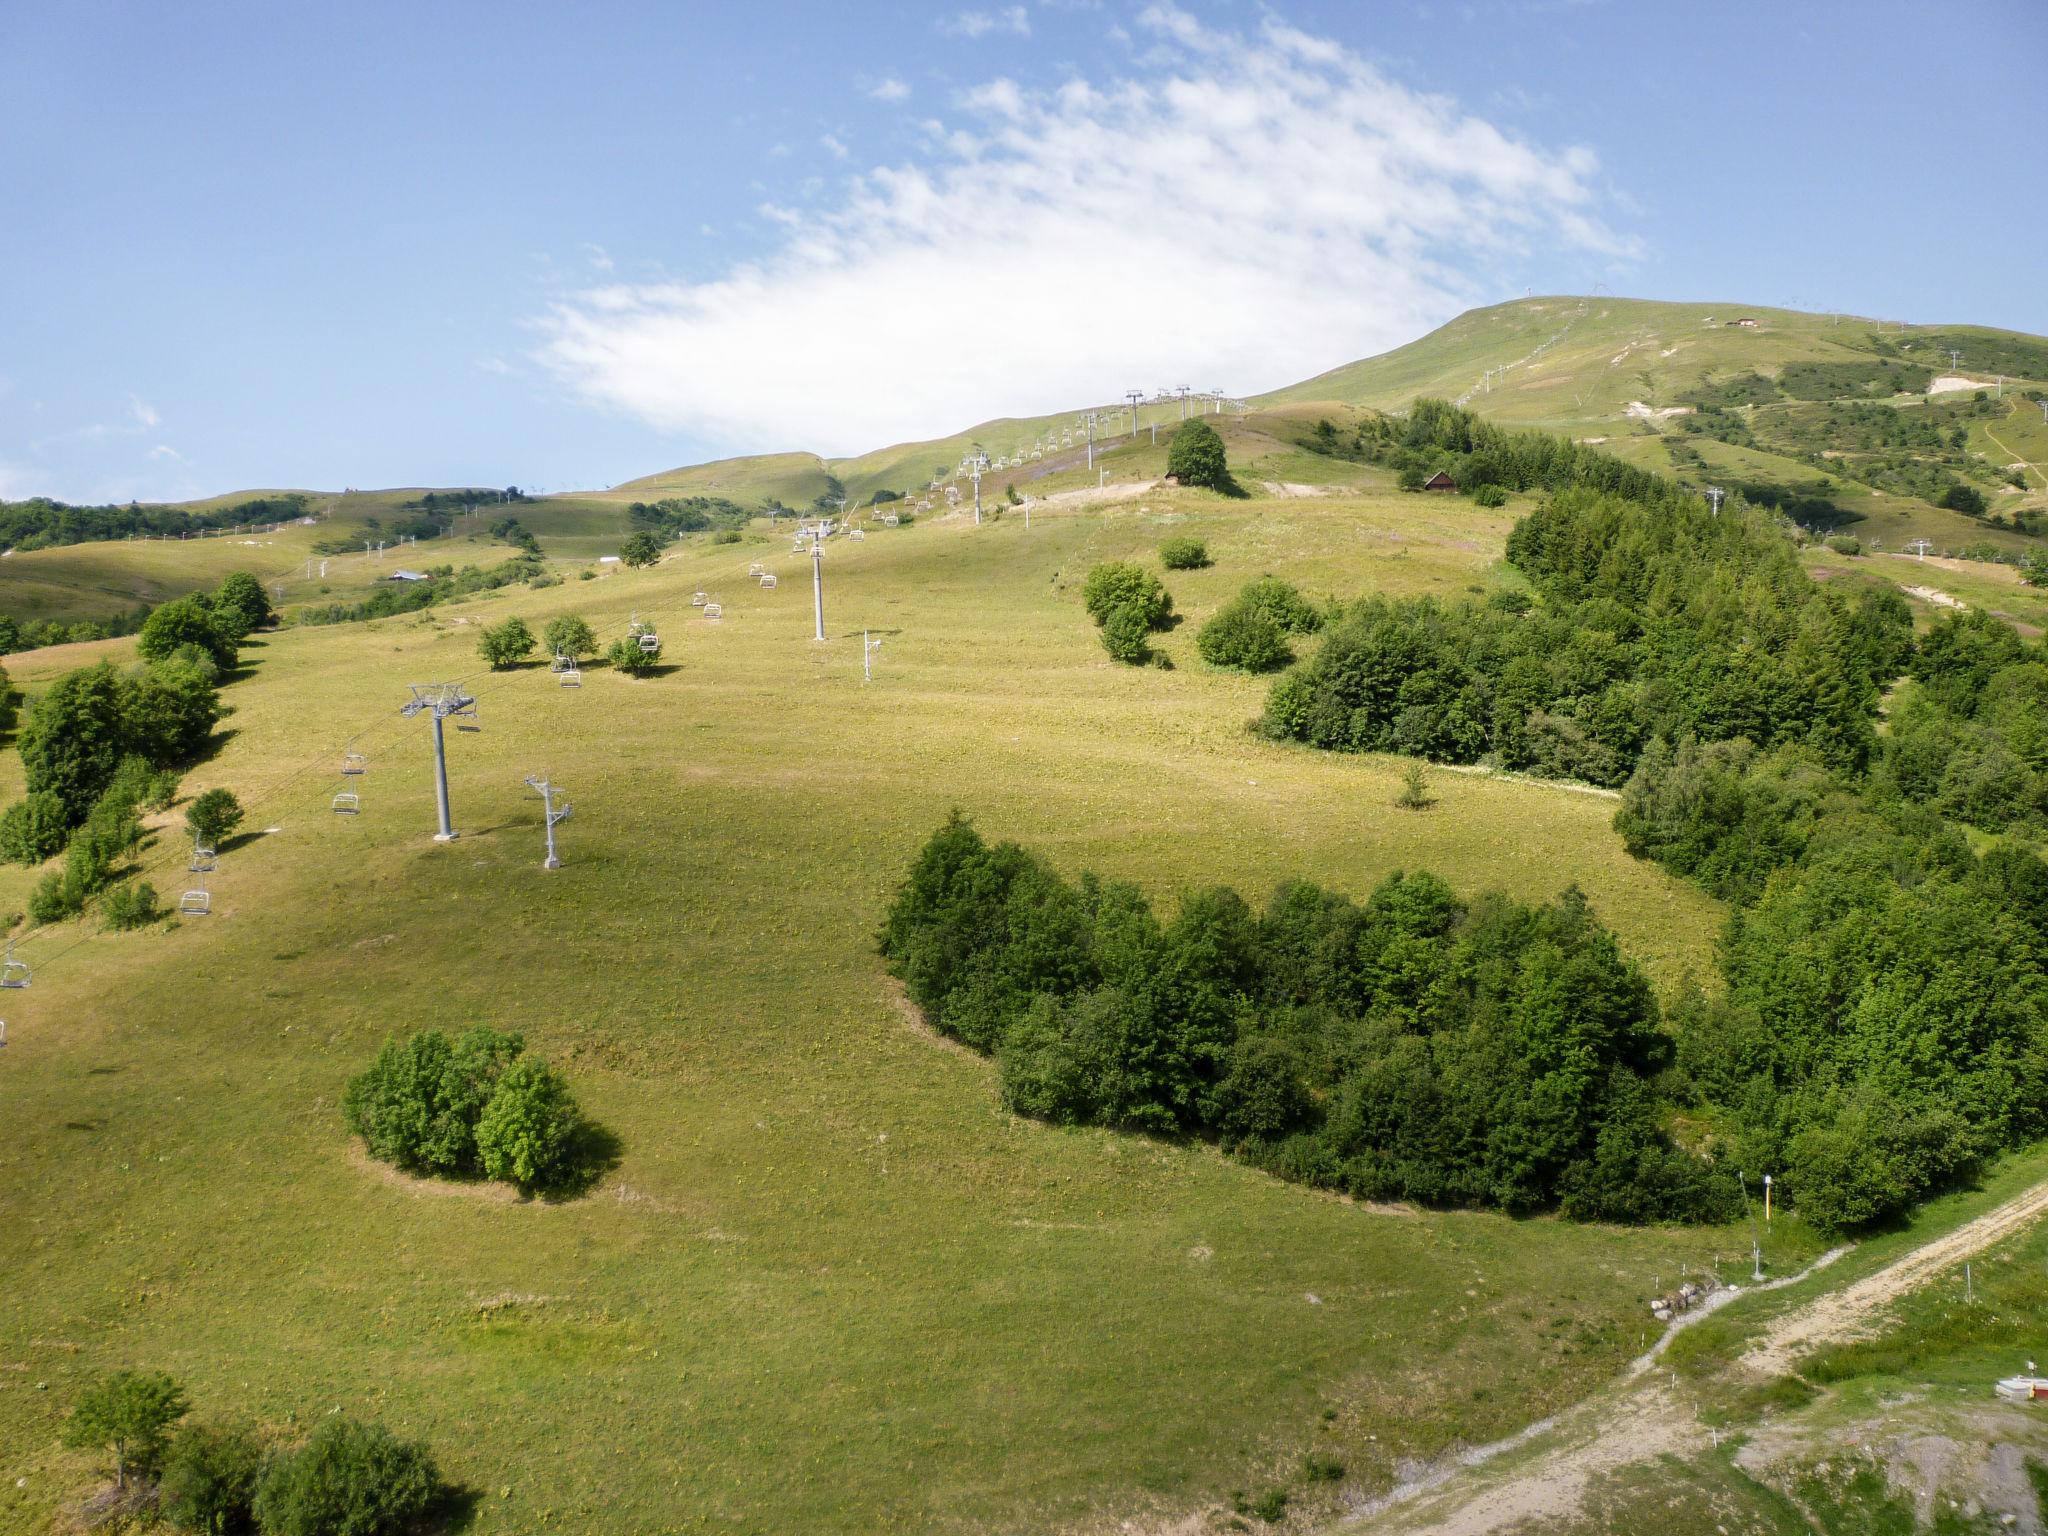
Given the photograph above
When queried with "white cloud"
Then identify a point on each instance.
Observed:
(165, 453)
(1253, 210)
(833, 145)
(142, 411)
(890, 89)
(1010, 19)
(599, 258)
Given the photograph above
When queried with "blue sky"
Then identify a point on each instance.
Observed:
(560, 245)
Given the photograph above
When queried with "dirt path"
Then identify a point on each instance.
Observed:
(1646, 1416)
(2017, 458)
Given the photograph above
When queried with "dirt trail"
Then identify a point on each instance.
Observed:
(1645, 1416)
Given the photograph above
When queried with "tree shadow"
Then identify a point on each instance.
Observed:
(593, 1153)
(659, 669)
(211, 747)
(1228, 486)
(453, 1508)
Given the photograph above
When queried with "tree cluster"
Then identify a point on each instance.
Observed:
(1415, 1046)
(40, 523)
(1250, 632)
(348, 1478)
(475, 1106)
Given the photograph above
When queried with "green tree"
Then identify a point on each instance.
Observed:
(627, 656)
(569, 636)
(243, 595)
(210, 1476)
(1183, 554)
(186, 621)
(73, 739)
(10, 701)
(33, 828)
(350, 1479)
(1118, 584)
(1415, 795)
(505, 645)
(169, 710)
(641, 549)
(129, 1413)
(213, 815)
(529, 1130)
(1196, 456)
(417, 1105)
(1125, 632)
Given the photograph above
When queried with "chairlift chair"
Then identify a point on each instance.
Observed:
(697, 600)
(857, 534)
(712, 611)
(756, 568)
(572, 675)
(203, 859)
(347, 803)
(13, 972)
(196, 902)
(767, 578)
(650, 643)
(353, 763)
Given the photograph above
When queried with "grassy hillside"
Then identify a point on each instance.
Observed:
(830, 1283)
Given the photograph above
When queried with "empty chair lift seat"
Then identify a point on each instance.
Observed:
(2024, 1389)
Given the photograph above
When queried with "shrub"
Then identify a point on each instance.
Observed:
(139, 784)
(1241, 635)
(1965, 499)
(210, 1477)
(626, 655)
(529, 1130)
(505, 645)
(1124, 634)
(1118, 583)
(1845, 544)
(569, 636)
(213, 816)
(1183, 554)
(1286, 607)
(129, 1413)
(130, 905)
(1415, 795)
(732, 535)
(1490, 496)
(417, 1105)
(1196, 456)
(33, 828)
(350, 1479)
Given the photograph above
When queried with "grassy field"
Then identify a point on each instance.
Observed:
(830, 1283)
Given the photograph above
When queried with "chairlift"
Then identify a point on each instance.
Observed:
(347, 803)
(712, 611)
(857, 534)
(634, 627)
(353, 763)
(203, 859)
(697, 601)
(756, 568)
(196, 902)
(571, 674)
(650, 643)
(13, 972)
(767, 578)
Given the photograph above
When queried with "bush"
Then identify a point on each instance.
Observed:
(213, 816)
(1280, 602)
(33, 828)
(350, 1479)
(241, 602)
(130, 905)
(505, 645)
(1965, 499)
(569, 636)
(1196, 456)
(1415, 795)
(210, 1477)
(1241, 635)
(1490, 496)
(625, 654)
(1124, 634)
(529, 1130)
(1117, 584)
(1845, 544)
(1184, 554)
(129, 1413)
(417, 1105)
(732, 535)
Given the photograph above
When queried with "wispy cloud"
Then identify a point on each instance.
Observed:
(164, 453)
(143, 411)
(1255, 208)
(1012, 19)
(832, 145)
(890, 89)
(599, 258)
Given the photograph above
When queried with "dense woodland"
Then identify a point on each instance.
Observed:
(40, 523)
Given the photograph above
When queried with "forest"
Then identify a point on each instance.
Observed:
(40, 523)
